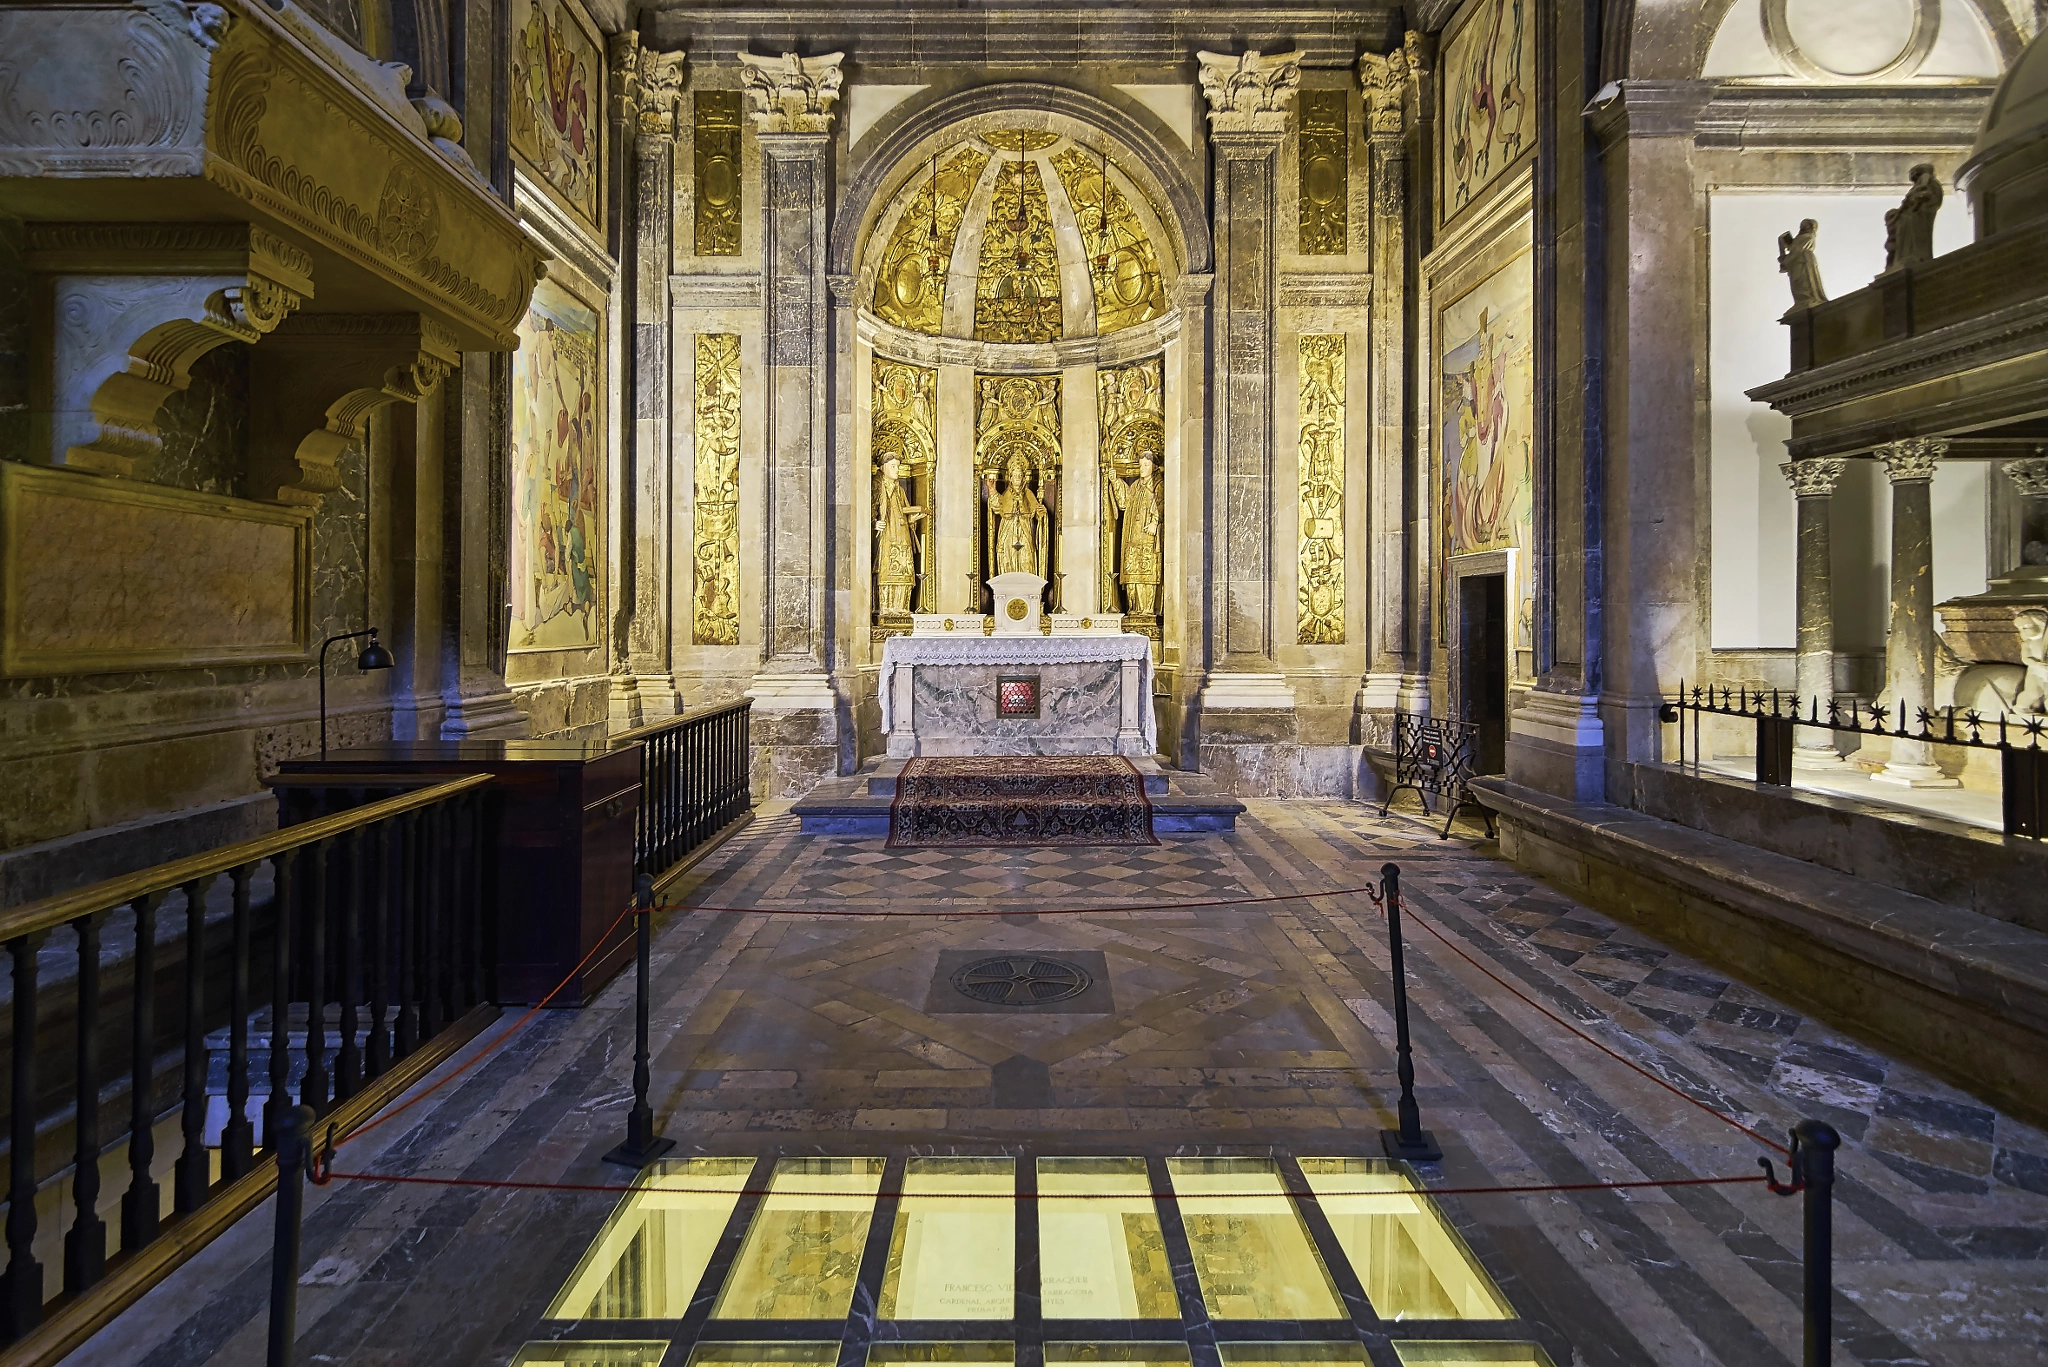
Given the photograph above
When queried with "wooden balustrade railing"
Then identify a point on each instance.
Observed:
(694, 780)
(369, 946)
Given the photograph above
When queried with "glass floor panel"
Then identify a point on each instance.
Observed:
(953, 1254)
(1290, 1354)
(802, 1252)
(1410, 1261)
(625, 1353)
(1101, 1252)
(651, 1253)
(764, 1355)
(1252, 1253)
(1123, 1354)
(955, 1354)
(1446, 1353)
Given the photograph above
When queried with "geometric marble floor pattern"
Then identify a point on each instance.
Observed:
(1220, 1029)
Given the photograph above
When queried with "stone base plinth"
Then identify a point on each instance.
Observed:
(794, 731)
(1251, 752)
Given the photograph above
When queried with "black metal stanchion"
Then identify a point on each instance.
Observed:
(294, 1151)
(1813, 1173)
(1411, 1141)
(642, 1144)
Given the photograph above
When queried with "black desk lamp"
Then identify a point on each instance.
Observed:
(374, 656)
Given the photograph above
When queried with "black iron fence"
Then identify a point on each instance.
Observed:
(694, 780)
(1434, 756)
(333, 991)
(2021, 742)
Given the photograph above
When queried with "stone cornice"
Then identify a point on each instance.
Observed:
(1325, 289)
(1648, 109)
(2019, 330)
(1003, 358)
(1838, 118)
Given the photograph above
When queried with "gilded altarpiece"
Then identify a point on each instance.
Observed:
(716, 135)
(1017, 474)
(910, 289)
(1319, 575)
(1017, 298)
(1122, 265)
(903, 442)
(715, 600)
(1130, 412)
(1325, 172)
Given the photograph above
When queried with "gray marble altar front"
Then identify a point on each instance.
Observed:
(1079, 710)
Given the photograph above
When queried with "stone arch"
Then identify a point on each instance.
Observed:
(1151, 164)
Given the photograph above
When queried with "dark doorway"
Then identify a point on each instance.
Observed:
(1483, 666)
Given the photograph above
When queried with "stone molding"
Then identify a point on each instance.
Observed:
(322, 376)
(1325, 289)
(714, 291)
(1915, 119)
(792, 94)
(2029, 476)
(1648, 109)
(133, 307)
(1911, 460)
(1814, 478)
(1018, 358)
(1250, 92)
(248, 107)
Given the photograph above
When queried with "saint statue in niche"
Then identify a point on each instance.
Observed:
(895, 545)
(1139, 505)
(1017, 520)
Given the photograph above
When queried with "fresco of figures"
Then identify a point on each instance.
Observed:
(1489, 88)
(1486, 397)
(554, 559)
(557, 101)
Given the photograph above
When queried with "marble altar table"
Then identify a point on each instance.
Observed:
(1093, 694)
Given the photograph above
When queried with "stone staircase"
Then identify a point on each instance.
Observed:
(1182, 803)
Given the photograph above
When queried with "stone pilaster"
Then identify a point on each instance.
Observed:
(1249, 733)
(1909, 647)
(796, 708)
(1813, 482)
(1391, 86)
(651, 561)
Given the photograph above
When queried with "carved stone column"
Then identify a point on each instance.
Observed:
(1909, 648)
(1249, 730)
(1813, 482)
(642, 680)
(792, 101)
(1390, 84)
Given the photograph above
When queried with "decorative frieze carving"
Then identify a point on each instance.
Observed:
(1248, 93)
(321, 376)
(1325, 162)
(717, 173)
(792, 94)
(1814, 478)
(1319, 581)
(716, 502)
(1912, 459)
(1325, 289)
(134, 306)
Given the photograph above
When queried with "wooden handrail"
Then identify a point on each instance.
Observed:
(50, 912)
(640, 733)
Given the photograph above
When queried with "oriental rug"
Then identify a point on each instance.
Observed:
(1020, 800)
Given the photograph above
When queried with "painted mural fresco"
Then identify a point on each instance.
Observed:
(1485, 417)
(1489, 88)
(556, 505)
(557, 101)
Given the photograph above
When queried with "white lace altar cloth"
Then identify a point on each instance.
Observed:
(1020, 650)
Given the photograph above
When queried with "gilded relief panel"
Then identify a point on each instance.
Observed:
(911, 289)
(1325, 172)
(557, 103)
(1017, 295)
(1122, 265)
(1489, 92)
(556, 517)
(903, 441)
(1319, 581)
(715, 553)
(717, 139)
(1130, 412)
(1017, 471)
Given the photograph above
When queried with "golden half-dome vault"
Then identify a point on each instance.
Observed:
(910, 289)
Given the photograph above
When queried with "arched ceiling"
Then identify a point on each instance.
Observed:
(1018, 235)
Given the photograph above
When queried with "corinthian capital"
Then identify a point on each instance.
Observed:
(1912, 459)
(1248, 93)
(792, 94)
(2029, 476)
(661, 86)
(1814, 478)
(1386, 80)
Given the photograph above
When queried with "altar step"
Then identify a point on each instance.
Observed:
(859, 804)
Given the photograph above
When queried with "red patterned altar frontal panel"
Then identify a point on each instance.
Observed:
(1017, 697)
